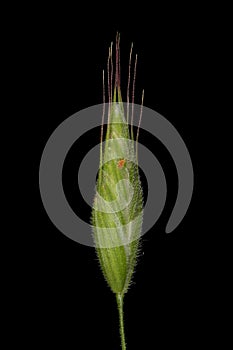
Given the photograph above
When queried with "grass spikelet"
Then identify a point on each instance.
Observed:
(118, 204)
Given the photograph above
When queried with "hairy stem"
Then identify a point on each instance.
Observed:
(119, 298)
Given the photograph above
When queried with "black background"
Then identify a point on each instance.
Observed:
(69, 301)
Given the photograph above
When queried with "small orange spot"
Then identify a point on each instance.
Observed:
(121, 163)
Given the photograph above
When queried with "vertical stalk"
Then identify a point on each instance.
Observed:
(119, 298)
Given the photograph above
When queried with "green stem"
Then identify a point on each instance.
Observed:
(119, 298)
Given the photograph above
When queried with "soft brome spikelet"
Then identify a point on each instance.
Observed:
(118, 204)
